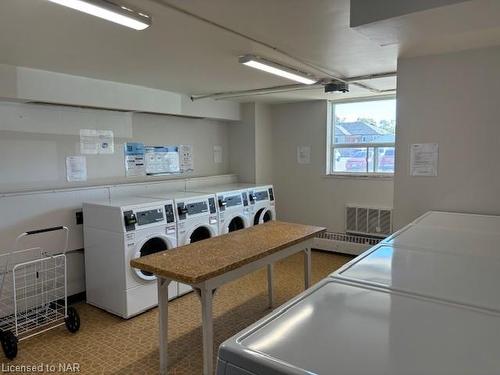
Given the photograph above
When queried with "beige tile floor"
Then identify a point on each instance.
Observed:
(107, 344)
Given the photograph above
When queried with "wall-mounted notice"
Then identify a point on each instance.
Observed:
(217, 154)
(76, 168)
(186, 158)
(424, 159)
(162, 160)
(105, 142)
(94, 141)
(88, 141)
(304, 154)
(134, 159)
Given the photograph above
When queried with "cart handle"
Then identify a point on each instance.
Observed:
(38, 231)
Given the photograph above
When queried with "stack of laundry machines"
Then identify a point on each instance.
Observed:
(423, 301)
(119, 230)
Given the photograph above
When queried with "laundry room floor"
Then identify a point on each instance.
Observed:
(107, 344)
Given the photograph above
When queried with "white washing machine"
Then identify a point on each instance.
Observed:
(262, 203)
(233, 207)
(197, 219)
(115, 233)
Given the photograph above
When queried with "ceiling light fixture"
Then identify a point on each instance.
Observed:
(109, 11)
(277, 69)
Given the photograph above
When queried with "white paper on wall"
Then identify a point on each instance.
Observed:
(424, 159)
(76, 168)
(94, 141)
(88, 142)
(134, 159)
(186, 158)
(304, 154)
(162, 159)
(217, 154)
(105, 142)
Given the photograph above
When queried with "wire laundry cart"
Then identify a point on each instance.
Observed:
(33, 292)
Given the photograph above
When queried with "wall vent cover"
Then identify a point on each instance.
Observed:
(371, 221)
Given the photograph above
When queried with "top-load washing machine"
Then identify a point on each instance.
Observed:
(115, 233)
(197, 219)
(233, 206)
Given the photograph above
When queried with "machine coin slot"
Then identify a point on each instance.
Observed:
(211, 204)
(271, 194)
(169, 210)
(130, 220)
(182, 211)
(222, 204)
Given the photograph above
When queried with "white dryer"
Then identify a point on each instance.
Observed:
(115, 233)
(197, 219)
(233, 206)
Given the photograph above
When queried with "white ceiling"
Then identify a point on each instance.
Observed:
(183, 54)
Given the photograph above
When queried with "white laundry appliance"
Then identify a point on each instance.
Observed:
(115, 233)
(197, 219)
(262, 202)
(459, 278)
(233, 206)
(338, 327)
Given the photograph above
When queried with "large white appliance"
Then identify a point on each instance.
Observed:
(345, 328)
(197, 219)
(465, 279)
(115, 233)
(233, 206)
(262, 202)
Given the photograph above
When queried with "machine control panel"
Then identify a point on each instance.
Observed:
(169, 211)
(261, 195)
(192, 208)
(233, 200)
(150, 216)
(130, 220)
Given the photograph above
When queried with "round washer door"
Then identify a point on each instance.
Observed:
(235, 224)
(200, 233)
(268, 216)
(150, 246)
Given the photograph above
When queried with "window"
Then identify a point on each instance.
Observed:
(362, 137)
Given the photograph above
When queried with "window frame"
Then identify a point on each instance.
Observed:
(331, 146)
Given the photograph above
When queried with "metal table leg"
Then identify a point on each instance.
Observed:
(270, 293)
(307, 268)
(206, 296)
(163, 316)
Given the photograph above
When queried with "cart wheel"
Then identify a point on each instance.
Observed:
(9, 344)
(72, 320)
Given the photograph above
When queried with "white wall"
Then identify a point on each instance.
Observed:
(451, 100)
(35, 140)
(304, 193)
(263, 144)
(242, 141)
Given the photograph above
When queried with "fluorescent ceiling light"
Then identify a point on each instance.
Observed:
(277, 69)
(109, 11)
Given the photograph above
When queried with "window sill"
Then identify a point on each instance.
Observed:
(362, 176)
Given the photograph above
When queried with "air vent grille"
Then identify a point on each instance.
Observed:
(372, 221)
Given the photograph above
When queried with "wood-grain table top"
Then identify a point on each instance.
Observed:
(203, 260)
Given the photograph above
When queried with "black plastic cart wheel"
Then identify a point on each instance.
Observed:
(72, 320)
(9, 344)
